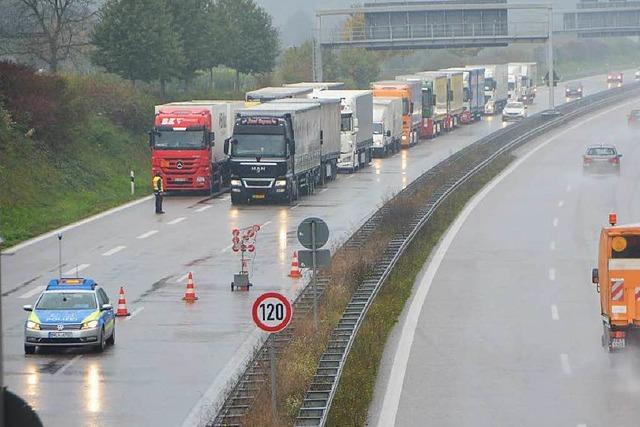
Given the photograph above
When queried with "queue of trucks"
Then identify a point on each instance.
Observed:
(283, 142)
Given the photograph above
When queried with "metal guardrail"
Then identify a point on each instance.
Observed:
(319, 397)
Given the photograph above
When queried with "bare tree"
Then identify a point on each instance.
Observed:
(48, 30)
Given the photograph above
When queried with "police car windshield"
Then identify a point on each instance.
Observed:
(67, 301)
(179, 140)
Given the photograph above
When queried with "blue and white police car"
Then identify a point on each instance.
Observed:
(70, 312)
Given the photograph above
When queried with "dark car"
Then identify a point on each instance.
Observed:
(601, 159)
(633, 119)
(573, 90)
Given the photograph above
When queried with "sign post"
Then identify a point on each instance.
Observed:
(272, 312)
(313, 233)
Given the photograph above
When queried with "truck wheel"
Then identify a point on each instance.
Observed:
(29, 349)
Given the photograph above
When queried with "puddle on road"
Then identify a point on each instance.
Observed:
(198, 261)
(154, 287)
(21, 286)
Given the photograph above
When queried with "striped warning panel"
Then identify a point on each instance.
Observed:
(617, 289)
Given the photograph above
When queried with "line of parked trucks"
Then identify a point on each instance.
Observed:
(283, 142)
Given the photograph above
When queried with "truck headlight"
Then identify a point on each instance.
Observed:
(200, 179)
(236, 183)
(33, 325)
(90, 324)
(404, 137)
(281, 182)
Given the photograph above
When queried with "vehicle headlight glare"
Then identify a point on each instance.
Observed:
(33, 325)
(404, 137)
(236, 182)
(281, 183)
(90, 324)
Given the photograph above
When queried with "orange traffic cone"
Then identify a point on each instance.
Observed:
(122, 304)
(190, 294)
(295, 268)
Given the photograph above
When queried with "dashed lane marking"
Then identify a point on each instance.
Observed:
(227, 248)
(350, 176)
(134, 313)
(32, 292)
(554, 313)
(561, 203)
(182, 278)
(294, 207)
(204, 208)
(75, 270)
(68, 364)
(552, 274)
(566, 367)
(147, 234)
(265, 224)
(114, 250)
(552, 245)
(556, 221)
(323, 190)
(568, 188)
(177, 220)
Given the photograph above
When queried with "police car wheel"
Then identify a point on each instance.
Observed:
(29, 349)
(100, 347)
(112, 339)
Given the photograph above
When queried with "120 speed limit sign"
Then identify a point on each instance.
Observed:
(272, 312)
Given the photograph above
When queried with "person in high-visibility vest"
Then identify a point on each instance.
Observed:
(158, 190)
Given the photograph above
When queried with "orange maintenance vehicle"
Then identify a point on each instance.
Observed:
(411, 94)
(618, 282)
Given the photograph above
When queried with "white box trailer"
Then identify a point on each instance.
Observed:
(330, 132)
(415, 83)
(317, 86)
(387, 126)
(356, 126)
(473, 87)
(528, 80)
(278, 92)
(496, 82)
(515, 82)
(442, 107)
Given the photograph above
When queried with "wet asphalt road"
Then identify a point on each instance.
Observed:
(172, 360)
(509, 333)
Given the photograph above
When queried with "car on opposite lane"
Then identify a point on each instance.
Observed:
(70, 312)
(633, 119)
(601, 159)
(514, 111)
(615, 78)
(573, 90)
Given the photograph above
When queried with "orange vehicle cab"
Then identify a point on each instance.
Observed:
(411, 112)
(618, 281)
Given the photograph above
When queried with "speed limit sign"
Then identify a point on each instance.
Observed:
(272, 312)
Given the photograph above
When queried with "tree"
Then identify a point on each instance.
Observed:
(355, 67)
(250, 39)
(136, 39)
(296, 63)
(50, 31)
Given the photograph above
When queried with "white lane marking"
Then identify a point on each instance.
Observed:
(393, 389)
(182, 278)
(555, 222)
(294, 207)
(265, 224)
(214, 396)
(227, 197)
(177, 220)
(552, 274)
(323, 190)
(147, 234)
(554, 313)
(69, 363)
(227, 248)
(74, 225)
(204, 208)
(114, 250)
(582, 425)
(78, 269)
(32, 292)
(568, 188)
(552, 245)
(564, 360)
(134, 313)
(561, 203)
(350, 176)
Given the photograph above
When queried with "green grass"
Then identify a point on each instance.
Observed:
(43, 188)
(355, 391)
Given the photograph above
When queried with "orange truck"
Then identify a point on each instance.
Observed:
(617, 279)
(411, 94)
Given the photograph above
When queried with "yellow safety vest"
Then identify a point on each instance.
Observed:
(157, 184)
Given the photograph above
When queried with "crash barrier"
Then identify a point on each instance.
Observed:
(318, 399)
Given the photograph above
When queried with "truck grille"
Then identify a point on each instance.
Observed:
(258, 183)
(179, 166)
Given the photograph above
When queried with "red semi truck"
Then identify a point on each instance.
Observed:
(187, 144)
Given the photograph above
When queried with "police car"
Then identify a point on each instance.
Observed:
(70, 312)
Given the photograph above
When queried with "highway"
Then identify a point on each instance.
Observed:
(504, 327)
(172, 361)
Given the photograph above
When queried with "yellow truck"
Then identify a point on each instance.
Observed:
(617, 279)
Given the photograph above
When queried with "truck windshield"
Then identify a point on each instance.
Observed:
(179, 140)
(377, 129)
(263, 145)
(625, 247)
(345, 123)
(67, 301)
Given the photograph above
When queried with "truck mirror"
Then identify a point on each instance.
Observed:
(292, 147)
(321, 137)
(595, 279)
(226, 146)
(411, 108)
(388, 134)
(212, 138)
(152, 139)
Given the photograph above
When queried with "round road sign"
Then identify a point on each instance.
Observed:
(272, 312)
(305, 235)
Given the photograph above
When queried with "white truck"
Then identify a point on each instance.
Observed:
(271, 93)
(387, 126)
(329, 132)
(356, 127)
(515, 82)
(496, 83)
(528, 80)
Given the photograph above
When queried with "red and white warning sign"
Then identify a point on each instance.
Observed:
(617, 289)
(272, 312)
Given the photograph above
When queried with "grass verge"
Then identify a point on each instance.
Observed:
(355, 391)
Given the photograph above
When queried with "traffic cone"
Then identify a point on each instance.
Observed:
(190, 294)
(122, 304)
(295, 268)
